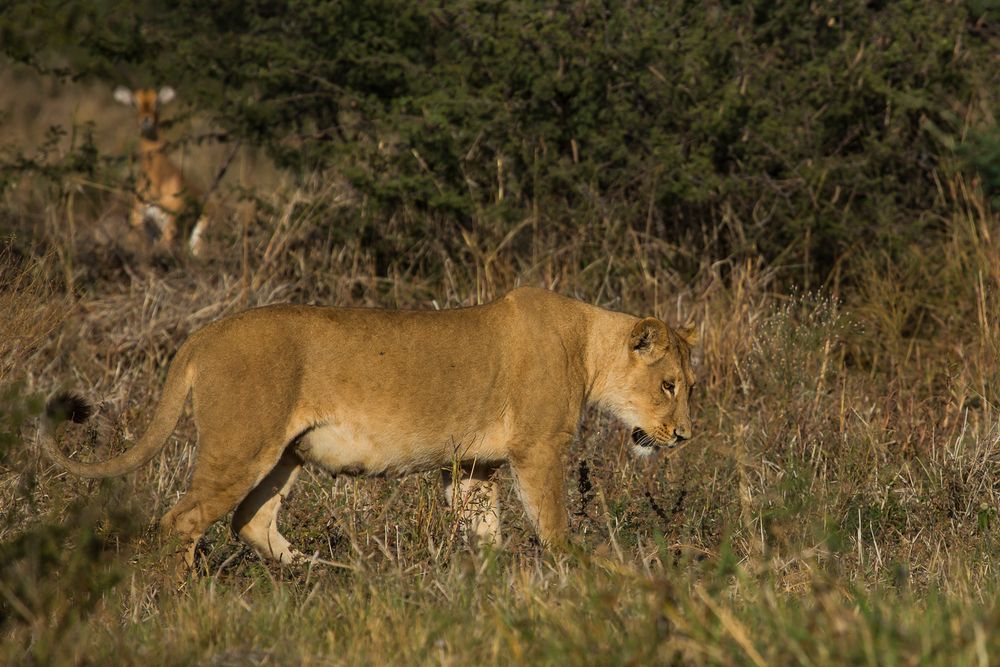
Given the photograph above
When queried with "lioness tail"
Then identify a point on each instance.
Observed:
(69, 406)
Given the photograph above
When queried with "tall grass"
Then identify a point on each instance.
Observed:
(838, 505)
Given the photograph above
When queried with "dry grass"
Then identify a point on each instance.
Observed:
(839, 504)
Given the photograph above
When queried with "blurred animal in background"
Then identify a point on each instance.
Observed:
(162, 196)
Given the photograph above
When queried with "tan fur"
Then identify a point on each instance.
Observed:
(372, 392)
(162, 193)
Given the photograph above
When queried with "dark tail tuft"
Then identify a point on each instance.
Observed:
(67, 405)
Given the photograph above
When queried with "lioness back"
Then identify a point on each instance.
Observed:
(424, 367)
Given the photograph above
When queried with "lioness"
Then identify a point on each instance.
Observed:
(390, 392)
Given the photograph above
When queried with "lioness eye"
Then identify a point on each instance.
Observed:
(668, 387)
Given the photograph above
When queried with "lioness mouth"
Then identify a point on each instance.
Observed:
(643, 439)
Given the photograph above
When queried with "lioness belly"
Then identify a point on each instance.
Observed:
(351, 450)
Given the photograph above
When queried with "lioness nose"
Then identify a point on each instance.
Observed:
(682, 432)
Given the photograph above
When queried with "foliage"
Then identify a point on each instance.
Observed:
(746, 126)
(839, 502)
(982, 152)
(54, 574)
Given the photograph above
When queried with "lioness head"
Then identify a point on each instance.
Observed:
(651, 391)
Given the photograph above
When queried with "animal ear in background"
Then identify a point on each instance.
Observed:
(166, 95)
(124, 96)
(689, 334)
(648, 340)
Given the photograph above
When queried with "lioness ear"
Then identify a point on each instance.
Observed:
(689, 334)
(124, 96)
(648, 340)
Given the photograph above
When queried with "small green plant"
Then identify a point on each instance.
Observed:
(982, 153)
(55, 573)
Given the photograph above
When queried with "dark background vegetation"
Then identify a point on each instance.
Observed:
(803, 132)
(814, 184)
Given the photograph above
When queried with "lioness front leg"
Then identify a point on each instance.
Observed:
(474, 496)
(538, 472)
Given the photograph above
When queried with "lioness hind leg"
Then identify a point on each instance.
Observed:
(475, 497)
(181, 534)
(256, 518)
(215, 490)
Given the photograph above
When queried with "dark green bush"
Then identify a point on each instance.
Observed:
(982, 153)
(751, 126)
